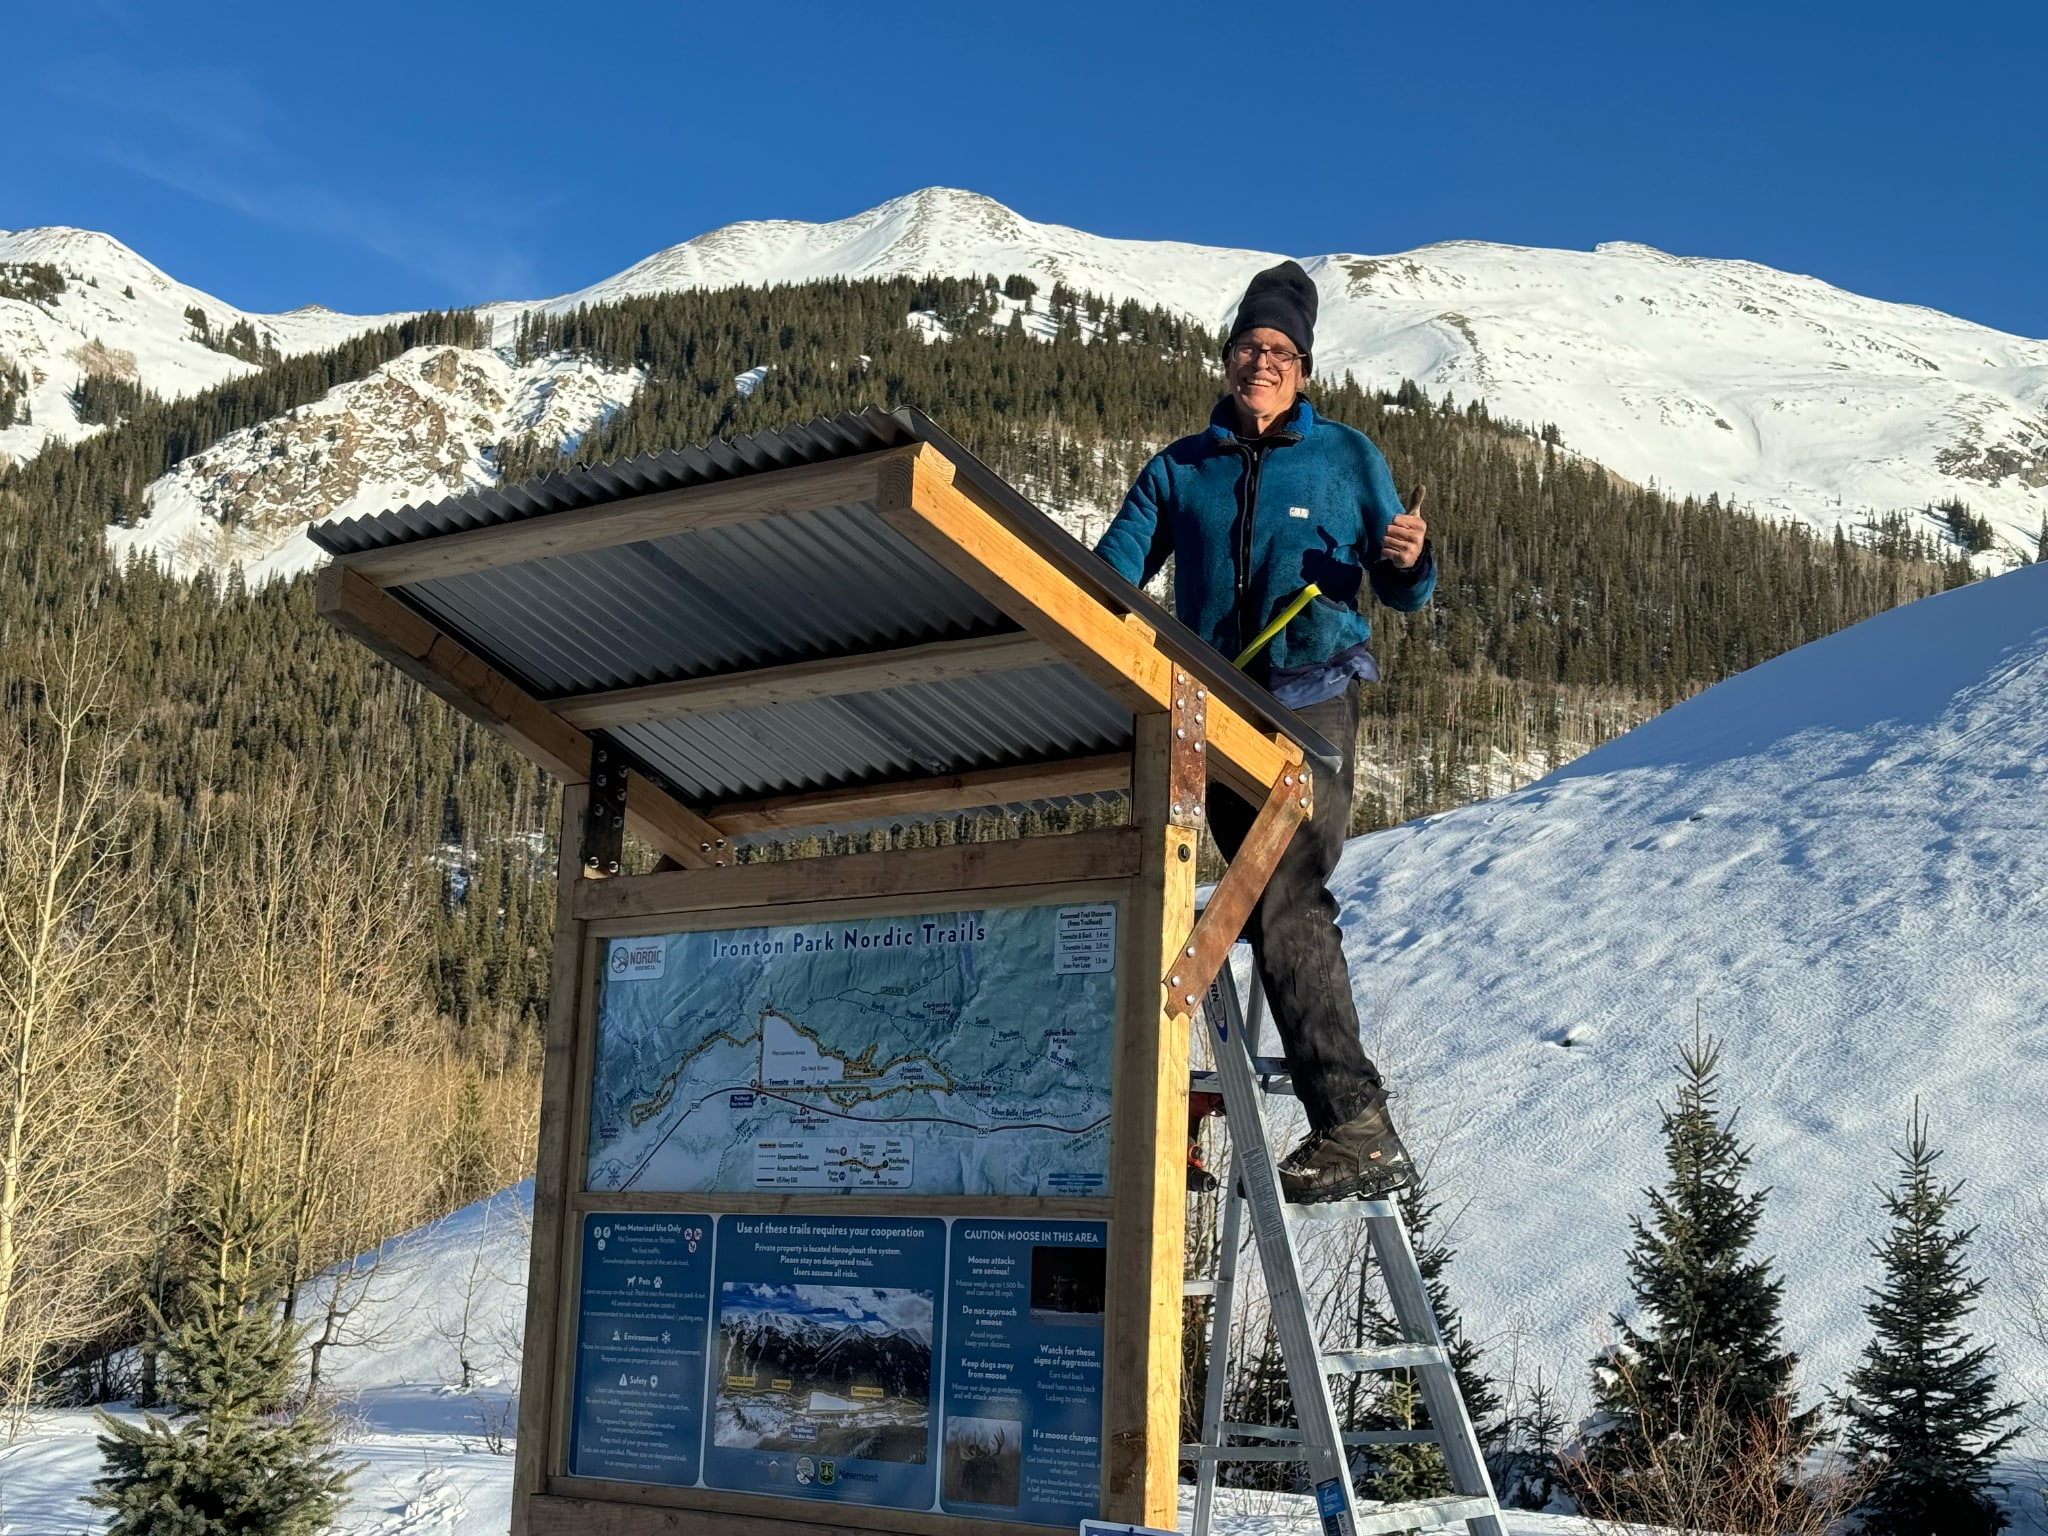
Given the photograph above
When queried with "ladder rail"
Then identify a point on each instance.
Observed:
(1214, 1430)
(1329, 1468)
(1409, 1298)
(1252, 1183)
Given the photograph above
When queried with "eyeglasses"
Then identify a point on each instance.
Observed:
(1251, 352)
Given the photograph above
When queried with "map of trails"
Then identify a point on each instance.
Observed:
(951, 1053)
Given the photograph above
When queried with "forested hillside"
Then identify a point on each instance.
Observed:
(271, 918)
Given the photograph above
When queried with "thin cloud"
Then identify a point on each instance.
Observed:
(202, 132)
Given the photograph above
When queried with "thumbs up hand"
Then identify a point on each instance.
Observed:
(1404, 536)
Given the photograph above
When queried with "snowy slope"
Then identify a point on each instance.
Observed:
(1840, 855)
(118, 314)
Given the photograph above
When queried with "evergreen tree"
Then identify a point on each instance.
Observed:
(1706, 1379)
(1923, 1406)
(1524, 1461)
(465, 1154)
(238, 1461)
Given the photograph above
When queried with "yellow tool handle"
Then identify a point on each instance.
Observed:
(1280, 621)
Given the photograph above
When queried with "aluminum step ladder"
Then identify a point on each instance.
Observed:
(1252, 1180)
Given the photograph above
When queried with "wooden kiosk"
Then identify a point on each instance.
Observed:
(860, 1185)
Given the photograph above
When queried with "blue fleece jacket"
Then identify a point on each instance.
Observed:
(1250, 522)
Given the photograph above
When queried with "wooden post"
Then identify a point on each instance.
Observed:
(1148, 1153)
(539, 1382)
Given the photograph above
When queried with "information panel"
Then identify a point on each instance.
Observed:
(944, 1054)
(823, 1376)
(1023, 1404)
(925, 1363)
(641, 1325)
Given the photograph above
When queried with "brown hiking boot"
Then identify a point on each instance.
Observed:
(1362, 1159)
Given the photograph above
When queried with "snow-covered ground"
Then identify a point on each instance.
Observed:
(434, 1456)
(1841, 856)
(1774, 390)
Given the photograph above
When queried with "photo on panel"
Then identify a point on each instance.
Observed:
(1067, 1284)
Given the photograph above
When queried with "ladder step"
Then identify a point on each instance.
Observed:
(1352, 1437)
(1393, 1357)
(1341, 1210)
(1273, 1077)
(1198, 1287)
(1421, 1515)
(1242, 1453)
(1287, 1446)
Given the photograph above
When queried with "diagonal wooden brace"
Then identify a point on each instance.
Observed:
(1287, 805)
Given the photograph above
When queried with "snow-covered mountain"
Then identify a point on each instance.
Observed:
(421, 427)
(1692, 374)
(114, 313)
(1777, 391)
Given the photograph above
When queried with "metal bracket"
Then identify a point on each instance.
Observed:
(1187, 756)
(604, 819)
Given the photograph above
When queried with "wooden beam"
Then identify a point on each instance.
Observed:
(532, 1457)
(1191, 967)
(1076, 858)
(664, 822)
(443, 666)
(1104, 774)
(798, 682)
(1148, 1154)
(803, 488)
(919, 499)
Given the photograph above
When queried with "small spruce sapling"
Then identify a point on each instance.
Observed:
(1706, 1381)
(240, 1459)
(1923, 1406)
(1524, 1462)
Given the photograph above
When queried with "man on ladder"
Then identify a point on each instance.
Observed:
(1276, 519)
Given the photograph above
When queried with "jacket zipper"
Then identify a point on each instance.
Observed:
(1254, 456)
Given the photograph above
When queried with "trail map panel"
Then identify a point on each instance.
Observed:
(949, 1053)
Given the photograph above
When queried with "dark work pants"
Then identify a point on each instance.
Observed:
(1293, 932)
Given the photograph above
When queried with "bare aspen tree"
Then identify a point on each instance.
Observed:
(182, 1068)
(73, 950)
(326, 1011)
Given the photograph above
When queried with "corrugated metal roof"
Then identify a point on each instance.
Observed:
(594, 485)
(724, 599)
(896, 733)
(829, 582)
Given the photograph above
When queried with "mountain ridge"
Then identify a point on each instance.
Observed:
(1691, 374)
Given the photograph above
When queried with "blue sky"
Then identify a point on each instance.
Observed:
(382, 156)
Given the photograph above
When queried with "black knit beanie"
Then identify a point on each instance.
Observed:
(1283, 297)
